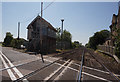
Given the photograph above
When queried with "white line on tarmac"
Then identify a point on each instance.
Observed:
(95, 76)
(100, 78)
(18, 65)
(8, 70)
(96, 69)
(47, 78)
(57, 78)
(15, 69)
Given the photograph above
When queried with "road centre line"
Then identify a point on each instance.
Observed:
(47, 78)
(57, 78)
(15, 69)
(10, 73)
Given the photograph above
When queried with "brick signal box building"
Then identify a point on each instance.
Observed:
(41, 36)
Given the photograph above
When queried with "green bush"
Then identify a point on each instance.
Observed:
(8, 39)
(16, 43)
(98, 38)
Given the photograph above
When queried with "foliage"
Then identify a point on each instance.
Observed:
(58, 36)
(117, 42)
(16, 43)
(65, 38)
(76, 44)
(98, 38)
(8, 39)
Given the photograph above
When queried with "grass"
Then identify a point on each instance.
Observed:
(0, 44)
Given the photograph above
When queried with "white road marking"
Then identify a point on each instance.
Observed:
(19, 65)
(100, 78)
(15, 69)
(61, 65)
(95, 69)
(82, 72)
(8, 70)
(47, 78)
(78, 70)
(23, 63)
(57, 78)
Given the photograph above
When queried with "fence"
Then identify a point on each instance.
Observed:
(107, 49)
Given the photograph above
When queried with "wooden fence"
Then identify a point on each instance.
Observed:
(107, 49)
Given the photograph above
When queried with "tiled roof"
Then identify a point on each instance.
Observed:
(38, 17)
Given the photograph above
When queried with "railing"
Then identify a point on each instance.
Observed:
(80, 73)
(107, 49)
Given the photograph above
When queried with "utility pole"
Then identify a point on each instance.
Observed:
(41, 39)
(41, 9)
(18, 30)
(62, 34)
(41, 27)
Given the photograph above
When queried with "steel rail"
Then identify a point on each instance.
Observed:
(105, 67)
(34, 72)
(82, 61)
(18, 65)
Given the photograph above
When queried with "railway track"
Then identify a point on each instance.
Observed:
(82, 62)
(55, 75)
(36, 60)
(105, 68)
(64, 68)
(111, 75)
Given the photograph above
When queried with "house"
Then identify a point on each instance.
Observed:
(113, 27)
(41, 36)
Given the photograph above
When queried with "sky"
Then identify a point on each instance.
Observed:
(81, 19)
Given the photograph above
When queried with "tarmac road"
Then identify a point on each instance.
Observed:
(27, 68)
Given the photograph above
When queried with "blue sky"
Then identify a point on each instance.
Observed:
(82, 19)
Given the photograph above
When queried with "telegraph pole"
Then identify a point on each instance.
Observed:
(18, 30)
(41, 32)
(62, 34)
(41, 9)
(41, 26)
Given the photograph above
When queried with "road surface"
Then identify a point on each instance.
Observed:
(17, 66)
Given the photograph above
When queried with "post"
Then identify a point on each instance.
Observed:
(41, 28)
(18, 29)
(41, 9)
(62, 34)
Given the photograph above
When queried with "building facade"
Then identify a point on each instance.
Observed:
(41, 36)
(113, 27)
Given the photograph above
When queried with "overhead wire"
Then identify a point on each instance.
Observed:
(48, 5)
(38, 13)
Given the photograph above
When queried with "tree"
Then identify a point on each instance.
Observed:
(98, 38)
(8, 39)
(58, 36)
(66, 36)
(117, 42)
(16, 43)
(66, 39)
(76, 44)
